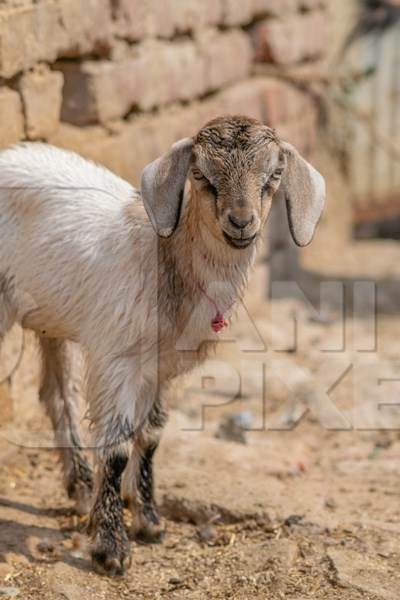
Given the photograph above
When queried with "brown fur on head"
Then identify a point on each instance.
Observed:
(236, 168)
(235, 165)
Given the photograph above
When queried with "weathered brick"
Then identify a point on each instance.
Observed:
(316, 32)
(90, 92)
(42, 31)
(156, 74)
(274, 102)
(310, 132)
(167, 73)
(237, 13)
(282, 102)
(192, 15)
(244, 98)
(41, 92)
(228, 57)
(11, 117)
(136, 19)
(311, 4)
(94, 143)
(302, 133)
(276, 8)
(84, 26)
(25, 36)
(242, 13)
(292, 40)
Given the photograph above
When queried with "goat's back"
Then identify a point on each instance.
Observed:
(65, 236)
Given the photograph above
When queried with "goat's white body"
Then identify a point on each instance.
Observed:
(82, 256)
(80, 261)
(62, 235)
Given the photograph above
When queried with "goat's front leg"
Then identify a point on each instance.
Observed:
(110, 548)
(138, 482)
(117, 413)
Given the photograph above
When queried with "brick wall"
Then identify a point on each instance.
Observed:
(120, 80)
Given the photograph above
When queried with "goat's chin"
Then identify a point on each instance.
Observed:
(239, 243)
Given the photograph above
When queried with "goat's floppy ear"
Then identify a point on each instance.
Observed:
(305, 192)
(163, 183)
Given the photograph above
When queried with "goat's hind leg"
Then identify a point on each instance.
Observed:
(8, 306)
(59, 394)
(8, 311)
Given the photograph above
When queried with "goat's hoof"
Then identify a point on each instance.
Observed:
(148, 533)
(111, 562)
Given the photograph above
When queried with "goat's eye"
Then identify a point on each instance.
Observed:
(277, 174)
(271, 181)
(198, 175)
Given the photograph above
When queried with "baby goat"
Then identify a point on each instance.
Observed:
(141, 280)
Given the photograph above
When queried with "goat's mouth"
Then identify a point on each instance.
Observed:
(239, 243)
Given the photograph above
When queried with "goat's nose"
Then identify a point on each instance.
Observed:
(241, 223)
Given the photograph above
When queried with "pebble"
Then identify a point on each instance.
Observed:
(5, 570)
(46, 546)
(9, 592)
(234, 427)
(207, 534)
(293, 520)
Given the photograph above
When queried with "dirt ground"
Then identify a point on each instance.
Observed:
(302, 510)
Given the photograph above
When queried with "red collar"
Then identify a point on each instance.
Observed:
(218, 322)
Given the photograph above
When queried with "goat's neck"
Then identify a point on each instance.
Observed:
(206, 262)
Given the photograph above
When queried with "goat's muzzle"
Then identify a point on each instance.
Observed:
(241, 242)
